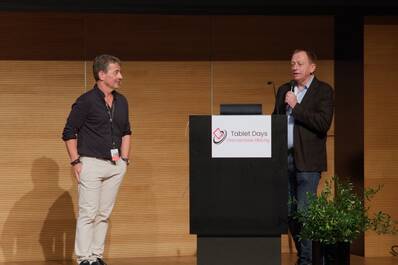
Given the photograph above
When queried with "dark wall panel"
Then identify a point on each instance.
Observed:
(349, 109)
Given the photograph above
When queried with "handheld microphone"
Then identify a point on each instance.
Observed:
(292, 85)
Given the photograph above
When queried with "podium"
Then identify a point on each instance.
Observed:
(238, 206)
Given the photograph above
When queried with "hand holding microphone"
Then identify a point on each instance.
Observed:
(290, 97)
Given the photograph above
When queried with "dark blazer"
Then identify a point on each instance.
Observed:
(313, 117)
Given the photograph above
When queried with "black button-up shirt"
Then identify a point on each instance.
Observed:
(90, 123)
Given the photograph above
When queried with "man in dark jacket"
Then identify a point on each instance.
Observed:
(308, 104)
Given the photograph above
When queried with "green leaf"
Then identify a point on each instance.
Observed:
(342, 216)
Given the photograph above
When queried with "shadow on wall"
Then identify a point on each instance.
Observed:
(41, 225)
(136, 206)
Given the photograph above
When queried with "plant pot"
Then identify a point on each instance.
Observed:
(334, 254)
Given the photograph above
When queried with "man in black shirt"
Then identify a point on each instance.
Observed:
(97, 136)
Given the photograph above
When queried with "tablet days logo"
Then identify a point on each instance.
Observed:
(219, 136)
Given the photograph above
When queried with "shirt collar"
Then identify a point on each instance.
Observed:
(307, 85)
(102, 95)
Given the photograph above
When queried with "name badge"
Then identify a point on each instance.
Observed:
(115, 154)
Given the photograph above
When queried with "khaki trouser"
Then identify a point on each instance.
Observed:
(99, 184)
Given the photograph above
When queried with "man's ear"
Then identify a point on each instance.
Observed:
(313, 68)
(101, 75)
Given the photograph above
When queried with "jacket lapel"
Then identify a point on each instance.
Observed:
(311, 89)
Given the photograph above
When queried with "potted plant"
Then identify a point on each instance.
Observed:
(334, 219)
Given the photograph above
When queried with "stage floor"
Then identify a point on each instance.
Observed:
(287, 259)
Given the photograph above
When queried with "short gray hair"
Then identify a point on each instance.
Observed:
(101, 63)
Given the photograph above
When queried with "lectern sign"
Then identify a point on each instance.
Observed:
(241, 136)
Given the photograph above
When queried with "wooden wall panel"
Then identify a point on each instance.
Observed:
(168, 75)
(149, 37)
(37, 213)
(381, 129)
(45, 36)
(271, 38)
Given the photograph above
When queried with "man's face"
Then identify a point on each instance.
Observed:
(301, 67)
(113, 77)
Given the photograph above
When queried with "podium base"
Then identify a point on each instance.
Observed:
(238, 250)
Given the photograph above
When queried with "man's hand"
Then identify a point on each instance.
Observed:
(76, 170)
(291, 99)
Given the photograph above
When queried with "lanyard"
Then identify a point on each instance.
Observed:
(111, 111)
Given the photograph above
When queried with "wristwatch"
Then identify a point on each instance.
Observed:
(125, 159)
(75, 162)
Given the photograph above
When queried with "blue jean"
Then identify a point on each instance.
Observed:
(299, 183)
